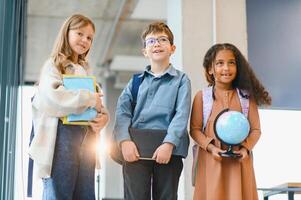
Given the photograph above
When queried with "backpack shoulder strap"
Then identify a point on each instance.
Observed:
(207, 104)
(137, 80)
(244, 101)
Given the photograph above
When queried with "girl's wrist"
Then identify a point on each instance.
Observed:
(210, 147)
(244, 149)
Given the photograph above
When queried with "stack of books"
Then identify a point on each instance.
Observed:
(74, 82)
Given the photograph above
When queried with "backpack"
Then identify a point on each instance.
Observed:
(207, 108)
(115, 152)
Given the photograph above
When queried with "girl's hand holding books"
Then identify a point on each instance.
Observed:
(98, 105)
(100, 121)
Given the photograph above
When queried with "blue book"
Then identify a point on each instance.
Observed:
(74, 82)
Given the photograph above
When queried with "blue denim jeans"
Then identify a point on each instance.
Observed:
(73, 168)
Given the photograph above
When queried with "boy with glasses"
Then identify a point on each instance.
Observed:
(163, 103)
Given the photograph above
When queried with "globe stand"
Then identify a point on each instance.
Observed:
(230, 154)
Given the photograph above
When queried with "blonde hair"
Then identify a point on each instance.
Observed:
(62, 52)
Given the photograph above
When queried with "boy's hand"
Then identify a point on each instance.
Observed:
(98, 105)
(215, 151)
(129, 151)
(163, 153)
(100, 121)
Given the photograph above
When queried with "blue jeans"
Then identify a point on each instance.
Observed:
(73, 167)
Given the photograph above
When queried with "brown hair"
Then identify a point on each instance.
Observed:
(157, 27)
(62, 52)
(245, 78)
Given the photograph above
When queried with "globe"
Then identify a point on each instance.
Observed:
(231, 127)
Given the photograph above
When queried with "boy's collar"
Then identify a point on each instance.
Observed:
(170, 70)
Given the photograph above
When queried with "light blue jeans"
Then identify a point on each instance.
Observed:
(73, 168)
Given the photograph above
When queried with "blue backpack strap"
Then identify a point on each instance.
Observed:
(115, 153)
(137, 80)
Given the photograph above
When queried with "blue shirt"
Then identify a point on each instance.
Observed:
(163, 102)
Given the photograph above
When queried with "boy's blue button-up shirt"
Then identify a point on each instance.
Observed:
(163, 102)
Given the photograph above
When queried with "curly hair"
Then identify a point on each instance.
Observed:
(245, 78)
(62, 52)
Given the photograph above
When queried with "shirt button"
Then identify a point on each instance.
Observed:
(142, 119)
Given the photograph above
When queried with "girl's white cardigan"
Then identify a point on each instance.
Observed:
(52, 101)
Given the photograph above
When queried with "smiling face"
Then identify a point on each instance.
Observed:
(158, 48)
(80, 39)
(224, 68)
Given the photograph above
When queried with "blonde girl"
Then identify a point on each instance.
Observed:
(64, 155)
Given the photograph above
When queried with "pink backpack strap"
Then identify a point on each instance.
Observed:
(244, 102)
(207, 105)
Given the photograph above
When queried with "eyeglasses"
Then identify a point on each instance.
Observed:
(163, 40)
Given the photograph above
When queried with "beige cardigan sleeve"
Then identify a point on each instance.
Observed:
(52, 98)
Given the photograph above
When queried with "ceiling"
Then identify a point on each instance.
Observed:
(119, 24)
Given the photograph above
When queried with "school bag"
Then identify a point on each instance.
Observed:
(207, 108)
(115, 152)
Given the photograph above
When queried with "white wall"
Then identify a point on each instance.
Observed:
(277, 153)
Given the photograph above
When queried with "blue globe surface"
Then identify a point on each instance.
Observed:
(232, 127)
